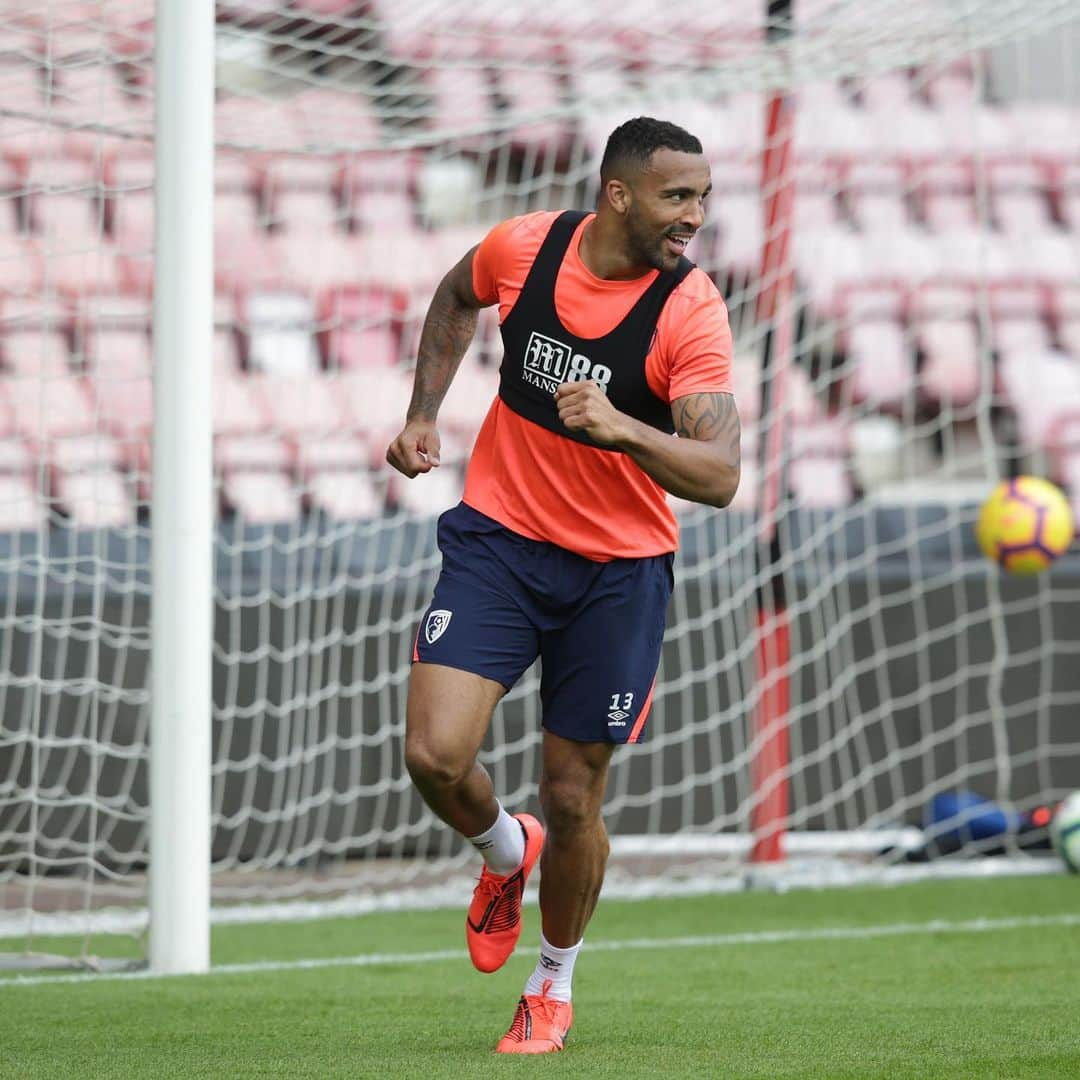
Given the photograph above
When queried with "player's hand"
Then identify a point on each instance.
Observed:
(583, 406)
(416, 449)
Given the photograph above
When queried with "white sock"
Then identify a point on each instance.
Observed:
(556, 966)
(503, 845)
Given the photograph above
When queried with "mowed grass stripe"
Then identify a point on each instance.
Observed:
(708, 941)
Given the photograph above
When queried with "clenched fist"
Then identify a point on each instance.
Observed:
(583, 406)
(416, 449)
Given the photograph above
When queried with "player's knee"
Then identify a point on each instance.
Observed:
(430, 765)
(568, 806)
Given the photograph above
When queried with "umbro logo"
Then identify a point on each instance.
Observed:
(617, 718)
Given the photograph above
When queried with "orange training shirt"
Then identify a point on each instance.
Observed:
(597, 503)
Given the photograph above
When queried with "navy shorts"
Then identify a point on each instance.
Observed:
(503, 600)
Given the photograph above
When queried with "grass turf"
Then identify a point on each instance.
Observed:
(945, 1003)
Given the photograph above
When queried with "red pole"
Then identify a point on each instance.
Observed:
(770, 751)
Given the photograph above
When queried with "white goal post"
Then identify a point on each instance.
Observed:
(210, 583)
(183, 488)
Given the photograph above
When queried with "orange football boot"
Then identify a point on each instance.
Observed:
(540, 1025)
(493, 925)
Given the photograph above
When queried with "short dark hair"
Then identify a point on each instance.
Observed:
(635, 142)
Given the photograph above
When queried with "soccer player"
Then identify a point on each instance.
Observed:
(614, 388)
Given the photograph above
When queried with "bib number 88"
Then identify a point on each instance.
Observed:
(582, 368)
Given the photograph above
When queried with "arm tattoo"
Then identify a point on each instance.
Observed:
(448, 329)
(709, 418)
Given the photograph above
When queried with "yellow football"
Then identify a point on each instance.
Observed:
(1025, 524)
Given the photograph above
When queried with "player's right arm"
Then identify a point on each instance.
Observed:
(448, 329)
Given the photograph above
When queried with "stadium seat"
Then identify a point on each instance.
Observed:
(10, 186)
(951, 371)
(1068, 334)
(911, 131)
(816, 202)
(827, 261)
(881, 363)
(261, 498)
(82, 453)
(461, 101)
(123, 405)
(116, 311)
(385, 210)
(951, 89)
(77, 273)
(1049, 255)
(1042, 127)
(332, 453)
(118, 354)
(1068, 185)
(736, 208)
(971, 253)
(226, 350)
(236, 214)
(428, 494)
(279, 329)
(15, 453)
(875, 193)
(295, 173)
(236, 117)
(1019, 198)
(829, 123)
(309, 213)
(469, 398)
(49, 408)
(943, 326)
(34, 314)
(976, 130)
(94, 498)
(307, 405)
(1041, 388)
(906, 255)
(361, 327)
(375, 403)
(335, 118)
(21, 506)
(1018, 312)
(746, 385)
(237, 408)
(36, 354)
(818, 469)
(312, 262)
(20, 265)
(132, 223)
(887, 93)
(377, 170)
(383, 257)
(251, 453)
(944, 193)
(533, 89)
(345, 495)
(8, 429)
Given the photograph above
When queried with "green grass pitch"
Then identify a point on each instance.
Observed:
(939, 979)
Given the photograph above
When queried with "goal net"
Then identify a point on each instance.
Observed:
(842, 670)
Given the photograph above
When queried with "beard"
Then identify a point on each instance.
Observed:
(646, 245)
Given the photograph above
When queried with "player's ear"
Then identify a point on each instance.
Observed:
(618, 195)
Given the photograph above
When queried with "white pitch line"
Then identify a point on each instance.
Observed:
(711, 941)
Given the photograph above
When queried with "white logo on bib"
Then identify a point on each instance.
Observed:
(435, 627)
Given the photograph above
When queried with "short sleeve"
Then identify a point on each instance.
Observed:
(489, 258)
(698, 346)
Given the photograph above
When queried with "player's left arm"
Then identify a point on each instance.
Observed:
(702, 464)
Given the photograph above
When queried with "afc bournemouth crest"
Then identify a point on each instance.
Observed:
(435, 627)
